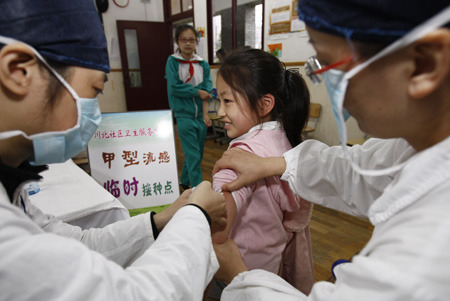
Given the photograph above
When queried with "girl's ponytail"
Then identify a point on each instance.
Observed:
(296, 107)
(254, 73)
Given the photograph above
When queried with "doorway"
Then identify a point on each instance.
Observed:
(144, 49)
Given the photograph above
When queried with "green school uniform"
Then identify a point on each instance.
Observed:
(184, 79)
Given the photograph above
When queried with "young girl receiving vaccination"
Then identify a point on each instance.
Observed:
(264, 108)
(188, 85)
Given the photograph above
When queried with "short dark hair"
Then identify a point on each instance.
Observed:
(182, 28)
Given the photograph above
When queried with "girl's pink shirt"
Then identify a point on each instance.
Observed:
(258, 228)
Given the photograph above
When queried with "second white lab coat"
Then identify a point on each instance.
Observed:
(407, 257)
(37, 265)
(122, 242)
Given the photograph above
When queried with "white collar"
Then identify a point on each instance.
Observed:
(267, 126)
(421, 174)
(177, 55)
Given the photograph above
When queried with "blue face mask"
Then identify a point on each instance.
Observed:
(58, 147)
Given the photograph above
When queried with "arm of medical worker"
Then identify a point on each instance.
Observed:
(123, 241)
(324, 176)
(42, 266)
(321, 174)
(365, 278)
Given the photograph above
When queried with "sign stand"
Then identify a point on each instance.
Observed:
(133, 156)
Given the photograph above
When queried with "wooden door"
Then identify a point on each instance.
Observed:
(144, 49)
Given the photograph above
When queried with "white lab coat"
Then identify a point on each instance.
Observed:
(122, 241)
(408, 255)
(38, 265)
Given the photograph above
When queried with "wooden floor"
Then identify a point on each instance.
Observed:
(334, 235)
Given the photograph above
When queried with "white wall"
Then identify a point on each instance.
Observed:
(295, 49)
(113, 97)
(295, 45)
(200, 20)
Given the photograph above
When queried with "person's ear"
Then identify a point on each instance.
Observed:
(432, 63)
(17, 62)
(266, 105)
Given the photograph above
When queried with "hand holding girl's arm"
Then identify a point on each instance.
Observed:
(212, 202)
(249, 167)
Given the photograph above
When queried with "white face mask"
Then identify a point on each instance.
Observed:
(336, 91)
(58, 147)
(337, 82)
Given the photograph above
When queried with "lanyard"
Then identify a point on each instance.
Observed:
(23, 205)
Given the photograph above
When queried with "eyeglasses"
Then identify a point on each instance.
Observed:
(192, 41)
(314, 68)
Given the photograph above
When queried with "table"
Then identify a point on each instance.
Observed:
(73, 196)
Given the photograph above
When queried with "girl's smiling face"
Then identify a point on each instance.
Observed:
(234, 111)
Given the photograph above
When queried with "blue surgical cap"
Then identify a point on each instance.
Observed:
(65, 31)
(377, 21)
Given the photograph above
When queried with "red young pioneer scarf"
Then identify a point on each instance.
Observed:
(191, 68)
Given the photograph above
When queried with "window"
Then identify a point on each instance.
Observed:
(187, 5)
(134, 66)
(179, 6)
(233, 25)
(175, 10)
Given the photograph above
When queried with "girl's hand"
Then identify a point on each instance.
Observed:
(204, 95)
(207, 120)
(212, 202)
(249, 167)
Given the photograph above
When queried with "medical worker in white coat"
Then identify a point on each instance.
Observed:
(53, 63)
(388, 63)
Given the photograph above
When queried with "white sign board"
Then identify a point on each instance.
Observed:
(132, 155)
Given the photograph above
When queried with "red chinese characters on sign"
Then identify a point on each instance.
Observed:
(133, 158)
(164, 157)
(130, 158)
(149, 158)
(107, 158)
(111, 186)
(131, 187)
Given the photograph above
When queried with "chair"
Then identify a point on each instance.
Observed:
(219, 132)
(314, 113)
